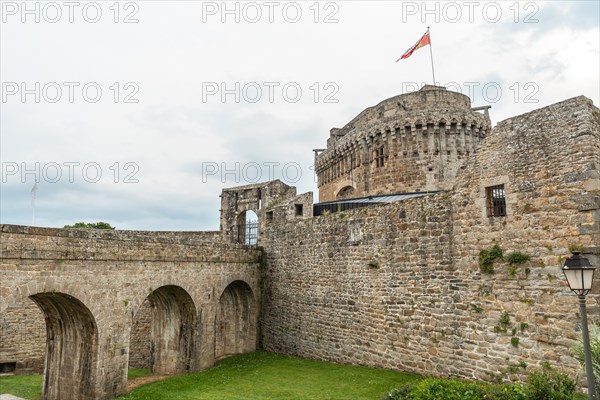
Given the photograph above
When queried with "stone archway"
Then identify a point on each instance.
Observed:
(236, 321)
(248, 228)
(71, 347)
(174, 331)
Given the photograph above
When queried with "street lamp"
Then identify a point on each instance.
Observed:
(580, 273)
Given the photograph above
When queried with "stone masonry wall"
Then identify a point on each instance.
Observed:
(23, 338)
(100, 279)
(399, 285)
(140, 337)
(549, 163)
(257, 198)
(23, 330)
(368, 286)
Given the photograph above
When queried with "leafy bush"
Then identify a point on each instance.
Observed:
(503, 323)
(447, 389)
(544, 384)
(549, 384)
(595, 350)
(516, 258)
(487, 258)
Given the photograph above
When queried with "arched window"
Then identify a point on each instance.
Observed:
(345, 193)
(248, 228)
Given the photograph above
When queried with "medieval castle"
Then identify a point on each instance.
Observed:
(383, 271)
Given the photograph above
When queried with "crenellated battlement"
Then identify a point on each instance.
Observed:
(407, 143)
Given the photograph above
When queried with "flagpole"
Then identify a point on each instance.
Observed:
(431, 54)
(33, 196)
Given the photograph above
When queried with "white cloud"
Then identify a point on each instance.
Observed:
(171, 56)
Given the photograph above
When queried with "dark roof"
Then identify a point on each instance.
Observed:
(348, 204)
(388, 198)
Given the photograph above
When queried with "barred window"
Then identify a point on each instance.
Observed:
(496, 201)
(379, 157)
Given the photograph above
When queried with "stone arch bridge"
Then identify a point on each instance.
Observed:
(203, 296)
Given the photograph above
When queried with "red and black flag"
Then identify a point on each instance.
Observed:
(424, 41)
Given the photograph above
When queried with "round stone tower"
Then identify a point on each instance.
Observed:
(408, 143)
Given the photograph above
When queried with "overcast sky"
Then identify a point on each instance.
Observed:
(139, 113)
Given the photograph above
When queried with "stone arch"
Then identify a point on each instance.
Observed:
(346, 192)
(247, 222)
(174, 331)
(344, 189)
(23, 293)
(71, 347)
(236, 320)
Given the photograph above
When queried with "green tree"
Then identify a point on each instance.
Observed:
(91, 225)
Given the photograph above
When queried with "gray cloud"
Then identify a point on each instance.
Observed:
(172, 130)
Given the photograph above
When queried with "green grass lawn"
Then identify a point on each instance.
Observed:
(133, 373)
(268, 376)
(257, 375)
(272, 376)
(28, 387)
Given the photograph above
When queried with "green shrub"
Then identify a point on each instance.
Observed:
(91, 225)
(595, 350)
(487, 258)
(544, 384)
(516, 258)
(400, 393)
(549, 384)
(496, 252)
(448, 389)
(504, 320)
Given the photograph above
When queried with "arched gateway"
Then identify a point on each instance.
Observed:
(71, 347)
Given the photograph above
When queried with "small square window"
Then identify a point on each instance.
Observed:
(299, 210)
(496, 201)
(269, 216)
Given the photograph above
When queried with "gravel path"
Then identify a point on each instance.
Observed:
(132, 384)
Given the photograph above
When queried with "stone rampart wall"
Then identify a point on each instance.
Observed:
(400, 285)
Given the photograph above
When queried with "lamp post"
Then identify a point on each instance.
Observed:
(580, 273)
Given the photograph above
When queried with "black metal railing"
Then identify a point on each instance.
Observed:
(248, 233)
